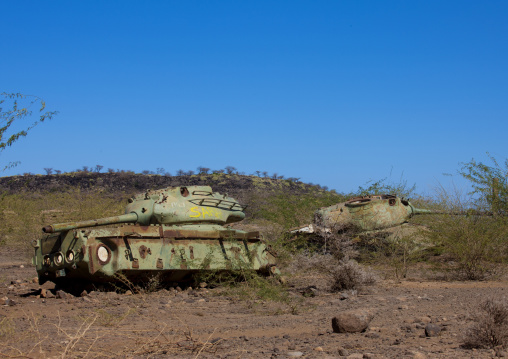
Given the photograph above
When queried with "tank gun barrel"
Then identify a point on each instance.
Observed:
(423, 211)
(124, 218)
(451, 213)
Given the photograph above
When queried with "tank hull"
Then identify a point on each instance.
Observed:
(135, 253)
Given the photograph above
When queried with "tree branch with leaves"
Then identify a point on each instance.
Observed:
(14, 108)
(490, 184)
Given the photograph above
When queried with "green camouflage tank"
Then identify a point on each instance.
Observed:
(173, 232)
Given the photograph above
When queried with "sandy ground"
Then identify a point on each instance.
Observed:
(201, 324)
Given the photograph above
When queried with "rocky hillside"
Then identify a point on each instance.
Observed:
(28, 200)
(132, 183)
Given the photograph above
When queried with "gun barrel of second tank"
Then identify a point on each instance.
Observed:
(423, 211)
(124, 218)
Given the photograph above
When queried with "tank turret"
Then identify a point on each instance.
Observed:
(364, 213)
(179, 205)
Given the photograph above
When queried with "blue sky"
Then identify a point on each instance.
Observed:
(334, 92)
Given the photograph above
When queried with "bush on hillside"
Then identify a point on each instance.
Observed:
(343, 274)
(476, 244)
(490, 325)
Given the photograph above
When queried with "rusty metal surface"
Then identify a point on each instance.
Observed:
(126, 218)
(365, 213)
(178, 231)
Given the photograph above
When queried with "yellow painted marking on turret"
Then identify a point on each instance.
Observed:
(197, 212)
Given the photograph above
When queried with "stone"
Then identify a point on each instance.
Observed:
(61, 294)
(203, 285)
(352, 321)
(355, 356)
(128, 292)
(343, 352)
(294, 354)
(432, 330)
(425, 320)
(35, 280)
(419, 355)
(49, 294)
(318, 349)
(309, 291)
(84, 293)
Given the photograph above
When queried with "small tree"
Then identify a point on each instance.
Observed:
(98, 168)
(48, 171)
(18, 108)
(203, 170)
(490, 184)
(230, 169)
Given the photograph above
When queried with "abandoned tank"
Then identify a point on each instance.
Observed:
(365, 213)
(173, 233)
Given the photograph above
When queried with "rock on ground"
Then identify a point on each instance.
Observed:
(352, 321)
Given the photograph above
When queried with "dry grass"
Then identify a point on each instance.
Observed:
(490, 327)
(23, 215)
(90, 337)
(343, 274)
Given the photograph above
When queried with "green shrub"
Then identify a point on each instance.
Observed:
(477, 244)
(490, 184)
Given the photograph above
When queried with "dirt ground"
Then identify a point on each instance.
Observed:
(198, 323)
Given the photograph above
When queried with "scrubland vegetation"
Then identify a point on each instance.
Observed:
(467, 240)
